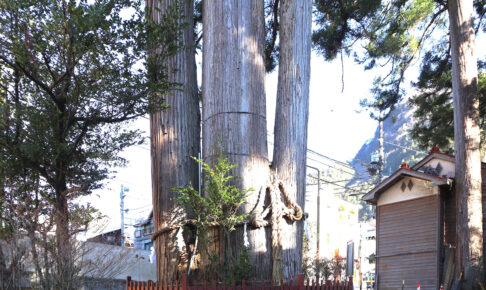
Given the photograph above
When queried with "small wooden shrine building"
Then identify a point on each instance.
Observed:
(416, 224)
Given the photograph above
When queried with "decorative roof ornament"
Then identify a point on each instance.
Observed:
(403, 187)
(438, 168)
(435, 149)
(410, 185)
(404, 166)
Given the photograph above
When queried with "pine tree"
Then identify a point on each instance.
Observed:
(394, 32)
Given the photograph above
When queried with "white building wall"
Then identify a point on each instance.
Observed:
(419, 188)
(338, 222)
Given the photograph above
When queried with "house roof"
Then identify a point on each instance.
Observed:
(415, 171)
(146, 221)
(434, 153)
(404, 171)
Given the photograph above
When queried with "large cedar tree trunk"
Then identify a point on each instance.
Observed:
(291, 116)
(174, 139)
(466, 141)
(234, 116)
(234, 113)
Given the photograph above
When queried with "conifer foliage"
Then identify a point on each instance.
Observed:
(71, 73)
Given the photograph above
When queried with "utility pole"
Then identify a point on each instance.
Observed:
(122, 213)
(381, 156)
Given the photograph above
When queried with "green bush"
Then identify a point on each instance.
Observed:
(219, 200)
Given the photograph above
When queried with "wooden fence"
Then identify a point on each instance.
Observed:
(249, 285)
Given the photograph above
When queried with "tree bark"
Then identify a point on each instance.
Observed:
(234, 113)
(466, 142)
(4, 271)
(175, 138)
(291, 118)
(64, 244)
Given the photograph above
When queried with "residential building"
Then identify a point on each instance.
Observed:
(143, 233)
(416, 224)
(110, 238)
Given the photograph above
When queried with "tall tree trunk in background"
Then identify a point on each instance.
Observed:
(4, 271)
(291, 118)
(234, 113)
(381, 149)
(65, 267)
(466, 142)
(174, 139)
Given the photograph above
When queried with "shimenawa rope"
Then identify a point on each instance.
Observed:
(278, 210)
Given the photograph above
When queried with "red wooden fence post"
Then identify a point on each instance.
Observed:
(129, 282)
(184, 282)
(300, 281)
(328, 285)
(213, 285)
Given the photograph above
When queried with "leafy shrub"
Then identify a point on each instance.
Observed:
(220, 198)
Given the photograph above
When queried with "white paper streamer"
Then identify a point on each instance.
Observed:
(246, 243)
(152, 255)
(306, 229)
(180, 240)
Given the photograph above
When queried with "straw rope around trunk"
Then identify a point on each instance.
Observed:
(277, 211)
(259, 218)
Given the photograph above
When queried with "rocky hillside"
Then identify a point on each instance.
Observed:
(398, 145)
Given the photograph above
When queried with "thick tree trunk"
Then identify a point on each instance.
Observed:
(64, 255)
(466, 141)
(291, 117)
(234, 114)
(174, 139)
(4, 271)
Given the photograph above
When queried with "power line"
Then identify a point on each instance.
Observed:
(332, 159)
(130, 182)
(403, 147)
(328, 165)
(141, 207)
(344, 164)
(141, 147)
(342, 186)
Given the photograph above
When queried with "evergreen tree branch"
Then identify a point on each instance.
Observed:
(16, 65)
